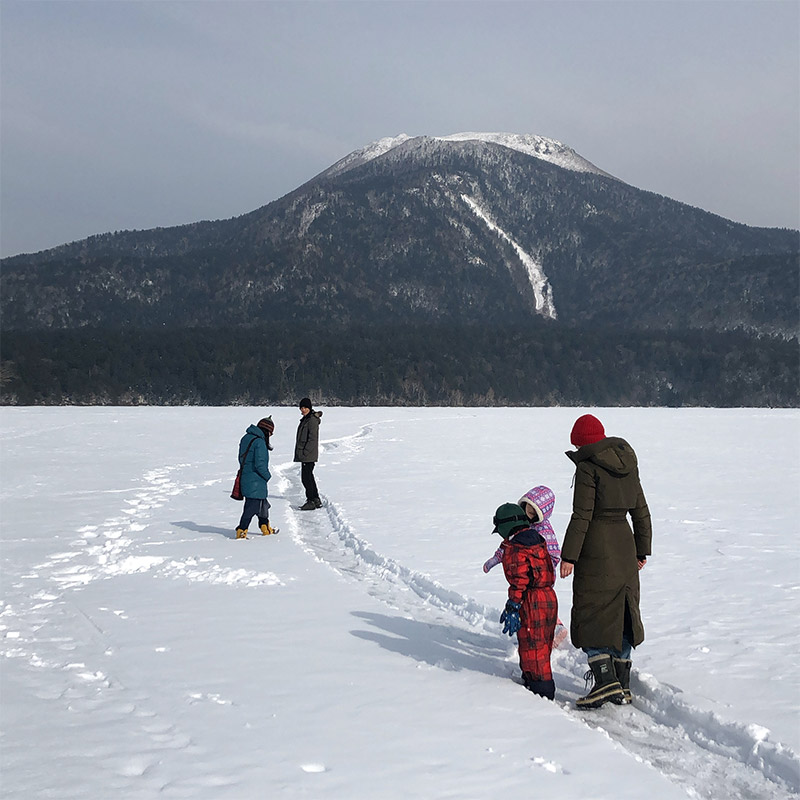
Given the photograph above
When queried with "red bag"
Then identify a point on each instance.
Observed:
(236, 494)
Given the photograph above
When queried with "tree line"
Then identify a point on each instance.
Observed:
(536, 363)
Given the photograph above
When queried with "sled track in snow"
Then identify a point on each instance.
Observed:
(695, 749)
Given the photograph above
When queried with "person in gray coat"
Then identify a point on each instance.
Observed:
(306, 451)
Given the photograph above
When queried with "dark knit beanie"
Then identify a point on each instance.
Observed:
(267, 425)
(587, 430)
(305, 403)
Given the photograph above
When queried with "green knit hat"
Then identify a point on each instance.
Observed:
(508, 518)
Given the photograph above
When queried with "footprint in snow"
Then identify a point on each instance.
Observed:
(214, 698)
(549, 766)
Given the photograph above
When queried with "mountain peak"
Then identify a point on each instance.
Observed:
(530, 144)
(537, 146)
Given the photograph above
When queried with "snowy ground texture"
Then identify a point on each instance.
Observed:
(357, 654)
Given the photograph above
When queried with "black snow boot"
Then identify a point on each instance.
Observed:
(545, 689)
(622, 666)
(606, 686)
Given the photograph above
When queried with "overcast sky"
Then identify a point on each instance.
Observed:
(122, 115)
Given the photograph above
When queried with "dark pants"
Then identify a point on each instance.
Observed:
(307, 477)
(253, 506)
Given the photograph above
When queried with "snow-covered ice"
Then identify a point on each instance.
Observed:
(357, 654)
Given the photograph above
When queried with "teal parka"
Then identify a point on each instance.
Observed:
(255, 466)
(600, 543)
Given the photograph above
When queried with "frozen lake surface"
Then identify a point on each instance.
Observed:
(357, 654)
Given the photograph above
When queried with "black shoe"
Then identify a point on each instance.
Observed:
(317, 502)
(308, 506)
(622, 666)
(546, 689)
(606, 686)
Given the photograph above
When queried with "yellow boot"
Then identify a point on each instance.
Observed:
(267, 529)
(241, 533)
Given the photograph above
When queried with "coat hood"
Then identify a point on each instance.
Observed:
(543, 500)
(613, 454)
(254, 430)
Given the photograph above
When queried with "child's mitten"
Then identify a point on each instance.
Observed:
(510, 618)
(494, 560)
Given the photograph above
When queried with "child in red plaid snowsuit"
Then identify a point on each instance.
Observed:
(532, 608)
(538, 503)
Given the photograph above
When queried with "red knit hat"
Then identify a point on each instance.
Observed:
(587, 430)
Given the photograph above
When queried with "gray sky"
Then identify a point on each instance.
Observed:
(121, 115)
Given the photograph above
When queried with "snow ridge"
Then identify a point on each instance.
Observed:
(537, 146)
(360, 557)
(364, 154)
(540, 147)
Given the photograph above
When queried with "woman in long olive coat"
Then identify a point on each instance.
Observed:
(606, 556)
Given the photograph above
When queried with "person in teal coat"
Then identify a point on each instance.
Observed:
(254, 450)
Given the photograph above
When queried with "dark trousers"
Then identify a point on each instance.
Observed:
(307, 477)
(253, 506)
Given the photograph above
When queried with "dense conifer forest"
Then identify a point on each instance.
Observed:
(538, 363)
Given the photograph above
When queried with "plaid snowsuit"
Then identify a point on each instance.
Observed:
(529, 571)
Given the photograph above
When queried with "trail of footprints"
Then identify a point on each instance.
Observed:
(692, 748)
(679, 741)
(71, 671)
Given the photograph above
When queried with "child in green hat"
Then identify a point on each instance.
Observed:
(532, 607)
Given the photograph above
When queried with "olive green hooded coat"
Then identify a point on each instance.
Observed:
(601, 544)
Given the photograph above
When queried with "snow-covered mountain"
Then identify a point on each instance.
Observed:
(416, 270)
(537, 146)
(465, 227)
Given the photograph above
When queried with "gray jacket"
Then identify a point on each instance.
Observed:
(306, 447)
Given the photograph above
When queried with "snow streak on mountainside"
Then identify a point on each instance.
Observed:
(542, 290)
(537, 146)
